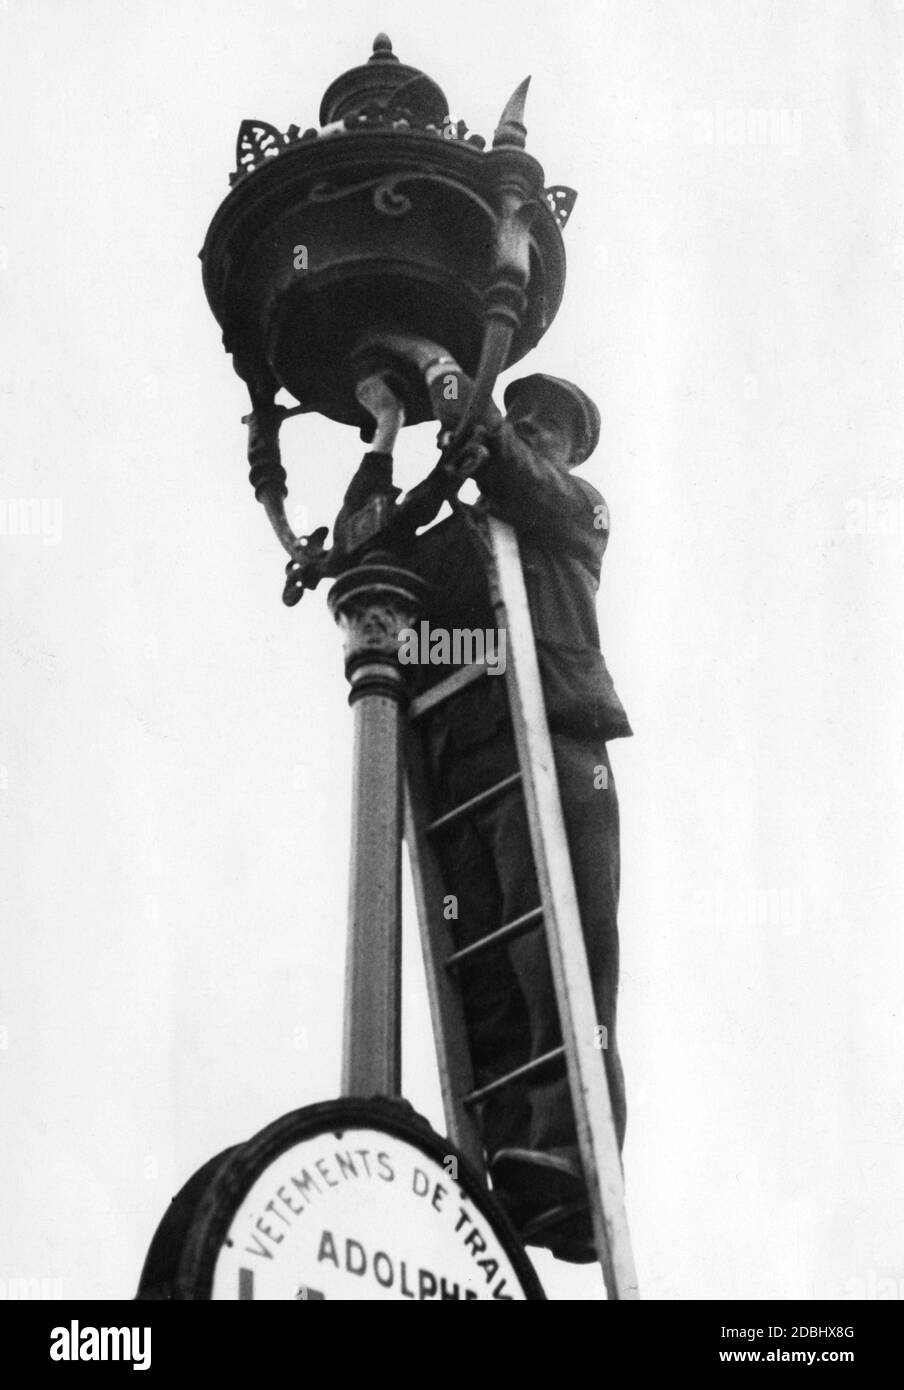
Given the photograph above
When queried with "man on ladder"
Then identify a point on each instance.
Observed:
(561, 522)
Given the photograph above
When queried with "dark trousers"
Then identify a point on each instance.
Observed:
(509, 996)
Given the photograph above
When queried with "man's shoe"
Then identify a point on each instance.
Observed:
(529, 1182)
(565, 1231)
(545, 1196)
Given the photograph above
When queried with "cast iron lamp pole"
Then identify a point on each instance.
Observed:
(372, 603)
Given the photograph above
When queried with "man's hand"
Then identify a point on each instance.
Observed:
(464, 460)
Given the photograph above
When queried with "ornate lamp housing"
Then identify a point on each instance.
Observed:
(388, 216)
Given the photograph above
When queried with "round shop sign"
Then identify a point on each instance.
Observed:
(346, 1200)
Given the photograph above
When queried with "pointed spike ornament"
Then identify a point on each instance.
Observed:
(511, 131)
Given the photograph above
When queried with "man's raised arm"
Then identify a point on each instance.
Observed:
(547, 504)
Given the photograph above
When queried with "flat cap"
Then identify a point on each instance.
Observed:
(581, 408)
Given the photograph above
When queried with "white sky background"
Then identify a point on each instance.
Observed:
(176, 742)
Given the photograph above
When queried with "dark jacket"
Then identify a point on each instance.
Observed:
(562, 526)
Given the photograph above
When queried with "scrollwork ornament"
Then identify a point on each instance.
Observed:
(373, 629)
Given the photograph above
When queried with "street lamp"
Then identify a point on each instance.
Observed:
(386, 218)
(389, 217)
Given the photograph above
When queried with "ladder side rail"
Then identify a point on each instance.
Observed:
(568, 957)
(453, 1056)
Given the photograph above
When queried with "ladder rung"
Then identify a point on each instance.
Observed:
(495, 938)
(519, 1074)
(467, 806)
(444, 690)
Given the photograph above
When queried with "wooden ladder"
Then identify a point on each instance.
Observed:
(557, 912)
